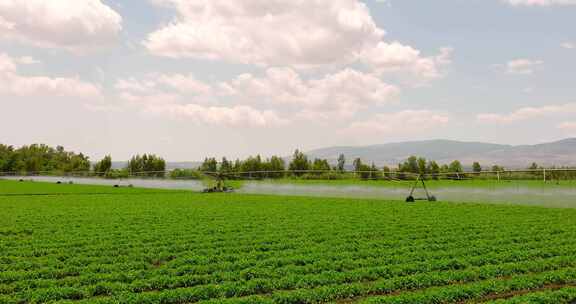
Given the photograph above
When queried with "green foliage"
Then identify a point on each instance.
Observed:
(147, 165)
(455, 166)
(299, 163)
(365, 171)
(497, 168)
(225, 166)
(38, 157)
(276, 165)
(476, 167)
(341, 163)
(186, 174)
(253, 164)
(130, 246)
(321, 165)
(103, 167)
(210, 164)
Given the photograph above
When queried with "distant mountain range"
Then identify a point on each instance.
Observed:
(559, 153)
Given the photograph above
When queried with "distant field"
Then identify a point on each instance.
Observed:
(10, 187)
(475, 183)
(184, 247)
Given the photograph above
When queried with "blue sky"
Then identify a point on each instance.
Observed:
(192, 78)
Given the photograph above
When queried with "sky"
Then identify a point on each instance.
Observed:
(186, 79)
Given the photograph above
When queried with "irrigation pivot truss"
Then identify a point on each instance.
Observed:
(217, 181)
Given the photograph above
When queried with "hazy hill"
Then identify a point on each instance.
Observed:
(560, 153)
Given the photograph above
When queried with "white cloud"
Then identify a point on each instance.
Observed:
(296, 34)
(314, 33)
(14, 84)
(335, 95)
(404, 122)
(175, 107)
(222, 116)
(541, 2)
(568, 45)
(527, 113)
(568, 126)
(523, 66)
(74, 25)
(184, 84)
(186, 98)
(396, 57)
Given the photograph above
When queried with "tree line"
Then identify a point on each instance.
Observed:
(38, 158)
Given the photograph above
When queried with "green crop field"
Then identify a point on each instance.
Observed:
(91, 244)
(466, 183)
(15, 188)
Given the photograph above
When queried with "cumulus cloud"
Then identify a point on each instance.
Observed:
(333, 96)
(403, 122)
(527, 113)
(176, 107)
(341, 94)
(313, 34)
(523, 66)
(232, 116)
(74, 25)
(541, 2)
(396, 57)
(184, 97)
(14, 84)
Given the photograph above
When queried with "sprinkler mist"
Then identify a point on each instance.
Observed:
(217, 181)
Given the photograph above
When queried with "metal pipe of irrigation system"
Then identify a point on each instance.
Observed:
(459, 175)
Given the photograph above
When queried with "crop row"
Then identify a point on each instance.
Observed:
(142, 260)
(566, 295)
(238, 242)
(415, 280)
(398, 264)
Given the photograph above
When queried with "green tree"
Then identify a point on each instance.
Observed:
(456, 167)
(225, 166)
(321, 166)
(497, 168)
(146, 165)
(299, 163)
(476, 167)
(433, 168)
(410, 165)
(103, 167)
(422, 165)
(7, 158)
(210, 164)
(277, 166)
(357, 164)
(364, 171)
(386, 170)
(253, 166)
(341, 163)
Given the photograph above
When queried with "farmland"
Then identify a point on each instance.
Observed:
(95, 244)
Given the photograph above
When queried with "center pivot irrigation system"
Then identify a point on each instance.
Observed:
(218, 182)
(220, 178)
